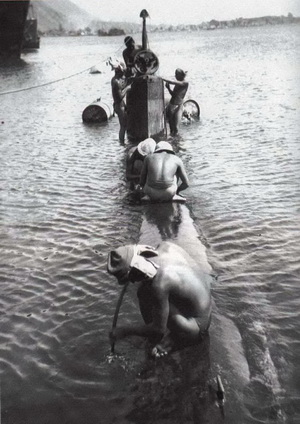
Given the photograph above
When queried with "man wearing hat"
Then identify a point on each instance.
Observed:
(135, 159)
(173, 292)
(161, 173)
(120, 86)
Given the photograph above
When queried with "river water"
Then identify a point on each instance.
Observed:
(65, 204)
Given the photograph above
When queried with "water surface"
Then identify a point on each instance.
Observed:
(65, 204)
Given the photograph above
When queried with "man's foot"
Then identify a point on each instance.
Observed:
(163, 348)
(158, 351)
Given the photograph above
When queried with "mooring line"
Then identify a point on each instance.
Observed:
(44, 84)
(51, 82)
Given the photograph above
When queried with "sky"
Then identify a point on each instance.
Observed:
(186, 11)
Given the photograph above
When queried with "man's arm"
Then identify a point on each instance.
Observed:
(181, 173)
(157, 328)
(129, 168)
(169, 89)
(180, 83)
(144, 172)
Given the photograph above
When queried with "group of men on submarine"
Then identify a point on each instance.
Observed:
(172, 288)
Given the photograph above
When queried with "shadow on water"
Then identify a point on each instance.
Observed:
(167, 218)
(14, 64)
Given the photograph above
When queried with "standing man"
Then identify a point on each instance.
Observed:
(120, 86)
(174, 109)
(128, 55)
(160, 174)
(174, 295)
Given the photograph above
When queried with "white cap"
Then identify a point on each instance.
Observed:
(146, 147)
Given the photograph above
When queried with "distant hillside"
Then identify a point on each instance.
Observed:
(63, 17)
(59, 16)
(127, 27)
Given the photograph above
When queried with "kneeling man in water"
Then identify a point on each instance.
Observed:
(173, 293)
(160, 174)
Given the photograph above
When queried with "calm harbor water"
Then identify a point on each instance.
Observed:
(65, 204)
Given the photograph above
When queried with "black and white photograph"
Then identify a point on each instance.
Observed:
(149, 212)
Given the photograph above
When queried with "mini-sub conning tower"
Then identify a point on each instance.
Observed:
(145, 100)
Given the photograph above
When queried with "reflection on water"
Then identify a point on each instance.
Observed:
(166, 218)
(65, 205)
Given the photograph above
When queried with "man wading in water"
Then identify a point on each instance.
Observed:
(173, 293)
(160, 174)
(174, 109)
(120, 86)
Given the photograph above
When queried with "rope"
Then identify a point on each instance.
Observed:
(51, 82)
(44, 84)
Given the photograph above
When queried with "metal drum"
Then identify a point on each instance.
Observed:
(191, 110)
(97, 112)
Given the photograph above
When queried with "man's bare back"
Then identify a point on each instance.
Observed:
(161, 169)
(161, 172)
(173, 293)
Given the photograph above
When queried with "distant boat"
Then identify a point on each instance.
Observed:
(12, 23)
(31, 39)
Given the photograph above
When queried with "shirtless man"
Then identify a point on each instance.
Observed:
(160, 174)
(174, 109)
(173, 292)
(129, 54)
(120, 86)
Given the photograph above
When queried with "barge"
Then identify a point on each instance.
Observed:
(13, 16)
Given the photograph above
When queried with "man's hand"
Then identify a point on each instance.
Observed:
(129, 80)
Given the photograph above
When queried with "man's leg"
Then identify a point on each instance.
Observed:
(122, 123)
(186, 330)
(182, 332)
(177, 119)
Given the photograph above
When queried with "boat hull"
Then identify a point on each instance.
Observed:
(31, 40)
(12, 22)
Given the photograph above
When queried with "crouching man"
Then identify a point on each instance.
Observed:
(173, 293)
(135, 160)
(161, 173)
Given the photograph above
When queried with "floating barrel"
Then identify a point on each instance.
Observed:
(191, 110)
(97, 112)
